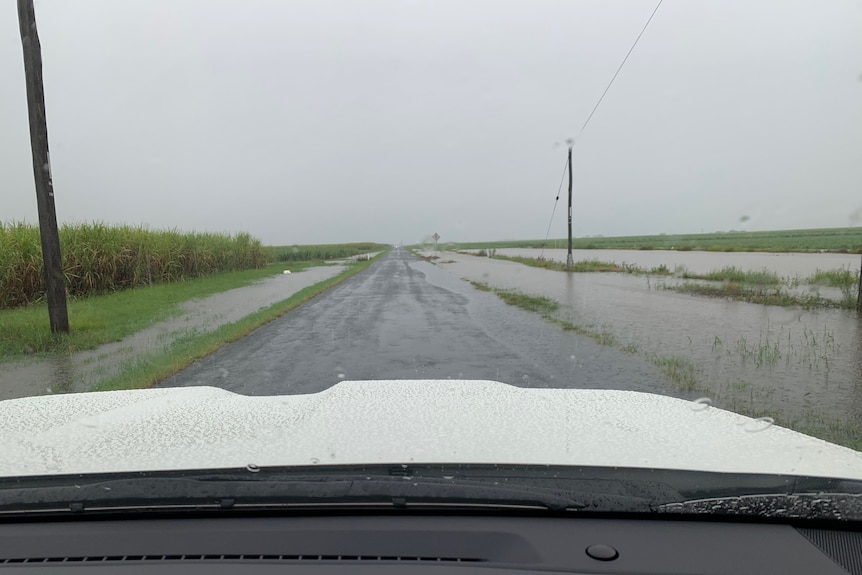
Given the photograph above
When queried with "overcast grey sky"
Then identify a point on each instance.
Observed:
(328, 121)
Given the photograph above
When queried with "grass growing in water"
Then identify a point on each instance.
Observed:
(679, 370)
(776, 296)
(595, 266)
(737, 276)
(685, 375)
(581, 266)
(538, 304)
(536, 262)
(841, 278)
(844, 279)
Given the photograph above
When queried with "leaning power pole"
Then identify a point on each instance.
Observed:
(55, 289)
(570, 263)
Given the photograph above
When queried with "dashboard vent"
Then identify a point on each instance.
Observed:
(252, 557)
(844, 547)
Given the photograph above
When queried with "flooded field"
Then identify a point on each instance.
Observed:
(789, 265)
(801, 367)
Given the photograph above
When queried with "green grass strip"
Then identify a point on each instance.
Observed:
(101, 319)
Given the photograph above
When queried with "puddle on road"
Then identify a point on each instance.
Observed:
(786, 362)
(81, 371)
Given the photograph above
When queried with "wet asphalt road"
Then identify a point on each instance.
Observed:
(404, 318)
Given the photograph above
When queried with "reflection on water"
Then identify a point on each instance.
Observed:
(63, 375)
(777, 361)
(57, 374)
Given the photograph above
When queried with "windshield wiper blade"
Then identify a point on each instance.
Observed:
(210, 492)
(550, 488)
(834, 506)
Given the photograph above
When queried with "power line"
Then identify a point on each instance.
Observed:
(559, 190)
(590, 117)
(623, 63)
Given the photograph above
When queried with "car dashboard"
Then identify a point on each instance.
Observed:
(422, 543)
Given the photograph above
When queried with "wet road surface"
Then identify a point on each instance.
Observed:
(404, 318)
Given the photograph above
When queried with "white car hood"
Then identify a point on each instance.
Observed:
(419, 421)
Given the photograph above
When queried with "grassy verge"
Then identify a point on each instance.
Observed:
(153, 368)
(538, 304)
(102, 319)
(838, 240)
(685, 375)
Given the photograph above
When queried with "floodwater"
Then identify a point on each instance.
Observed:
(790, 363)
(788, 265)
(83, 370)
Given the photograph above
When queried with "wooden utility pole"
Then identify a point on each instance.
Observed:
(859, 295)
(569, 260)
(55, 289)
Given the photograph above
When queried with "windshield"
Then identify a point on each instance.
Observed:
(266, 235)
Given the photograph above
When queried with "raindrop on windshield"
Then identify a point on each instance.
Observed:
(252, 467)
(701, 404)
(759, 424)
(341, 376)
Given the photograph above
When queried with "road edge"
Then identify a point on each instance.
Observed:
(150, 369)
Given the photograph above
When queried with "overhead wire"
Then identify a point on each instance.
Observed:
(623, 63)
(592, 113)
(559, 190)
